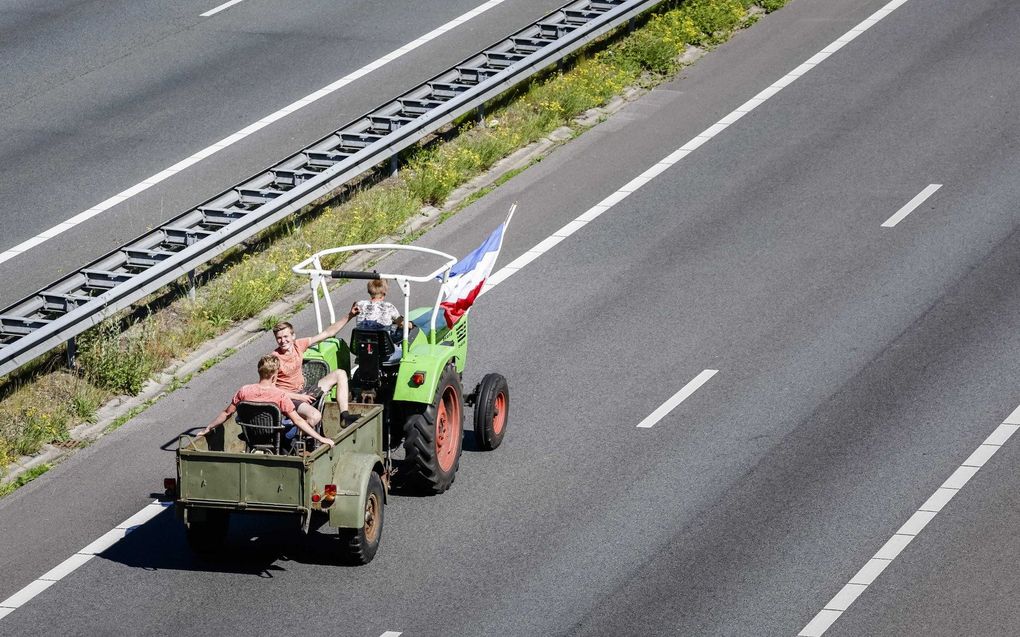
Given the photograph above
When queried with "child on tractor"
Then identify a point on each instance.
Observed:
(379, 314)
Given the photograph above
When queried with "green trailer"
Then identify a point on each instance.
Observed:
(220, 475)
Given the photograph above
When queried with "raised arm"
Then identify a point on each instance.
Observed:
(335, 328)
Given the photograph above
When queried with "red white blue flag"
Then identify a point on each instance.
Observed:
(467, 276)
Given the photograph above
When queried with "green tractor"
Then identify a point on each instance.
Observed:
(414, 372)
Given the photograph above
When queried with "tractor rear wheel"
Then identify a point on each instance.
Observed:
(433, 438)
(492, 406)
(358, 546)
(206, 535)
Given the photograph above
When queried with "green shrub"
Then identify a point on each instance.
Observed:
(657, 46)
(714, 19)
(114, 360)
(771, 5)
(39, 427)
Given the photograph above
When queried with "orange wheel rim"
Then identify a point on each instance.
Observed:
(499, 413)
(372, 518)
(447, 428)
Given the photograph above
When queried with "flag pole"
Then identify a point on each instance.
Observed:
(506, 224)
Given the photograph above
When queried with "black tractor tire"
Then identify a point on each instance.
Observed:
(206, 536)
(492, 408)
(433, 438)
(358, 546)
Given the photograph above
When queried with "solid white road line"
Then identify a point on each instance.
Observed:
(677, 398)
(390, 633)
(219, 8)
(910, 529)
(595, 211)
(669, 160)
(68, 566)
(911, 206)
(151, 181)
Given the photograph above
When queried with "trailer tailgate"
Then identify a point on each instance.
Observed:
(242, 480)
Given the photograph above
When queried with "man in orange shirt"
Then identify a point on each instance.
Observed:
(291, 379)
(266, 391)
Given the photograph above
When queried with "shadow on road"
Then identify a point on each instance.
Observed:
(258, 545)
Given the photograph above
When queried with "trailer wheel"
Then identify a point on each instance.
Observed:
(206, 535)
(492, 406)
(358, 546)
(433, 438)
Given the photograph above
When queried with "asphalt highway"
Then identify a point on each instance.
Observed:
(101, 96)
(858, 367)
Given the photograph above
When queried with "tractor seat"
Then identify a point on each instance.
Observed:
(261, 426)
(374, 350)
(314, 371)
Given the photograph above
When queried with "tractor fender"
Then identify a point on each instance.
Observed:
(351, 479)
(430, 359)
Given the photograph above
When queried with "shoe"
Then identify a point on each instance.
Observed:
(346, 420)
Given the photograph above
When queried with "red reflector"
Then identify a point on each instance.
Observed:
(316, 497)
(418, 379)
(330, 490)
(170, 484)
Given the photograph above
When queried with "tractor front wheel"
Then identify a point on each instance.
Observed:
(433, 438)
(492, 407)
(358, 546)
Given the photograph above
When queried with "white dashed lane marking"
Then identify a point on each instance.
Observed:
(911, 528)
(911, 206)
(677, 398)
(219, 8)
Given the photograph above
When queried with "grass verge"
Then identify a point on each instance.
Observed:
(40, 404)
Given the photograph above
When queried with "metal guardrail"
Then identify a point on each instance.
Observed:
(68, 307)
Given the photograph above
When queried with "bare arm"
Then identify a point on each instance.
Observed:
(335, 328)
(219, 420)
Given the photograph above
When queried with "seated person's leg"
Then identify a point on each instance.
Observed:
(336, 378)
(310, 414)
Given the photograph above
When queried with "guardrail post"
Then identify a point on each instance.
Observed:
(480, 115)
(71, 352)
(191, 285)
(394, 166)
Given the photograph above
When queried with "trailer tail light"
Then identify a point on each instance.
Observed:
(329, 496)
(316, 497)
(418, 379)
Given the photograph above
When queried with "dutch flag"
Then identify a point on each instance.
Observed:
(467, 276)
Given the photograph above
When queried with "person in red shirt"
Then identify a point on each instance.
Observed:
(291, 379)
(266, 391)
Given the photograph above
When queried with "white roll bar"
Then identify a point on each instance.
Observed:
(312, 267)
